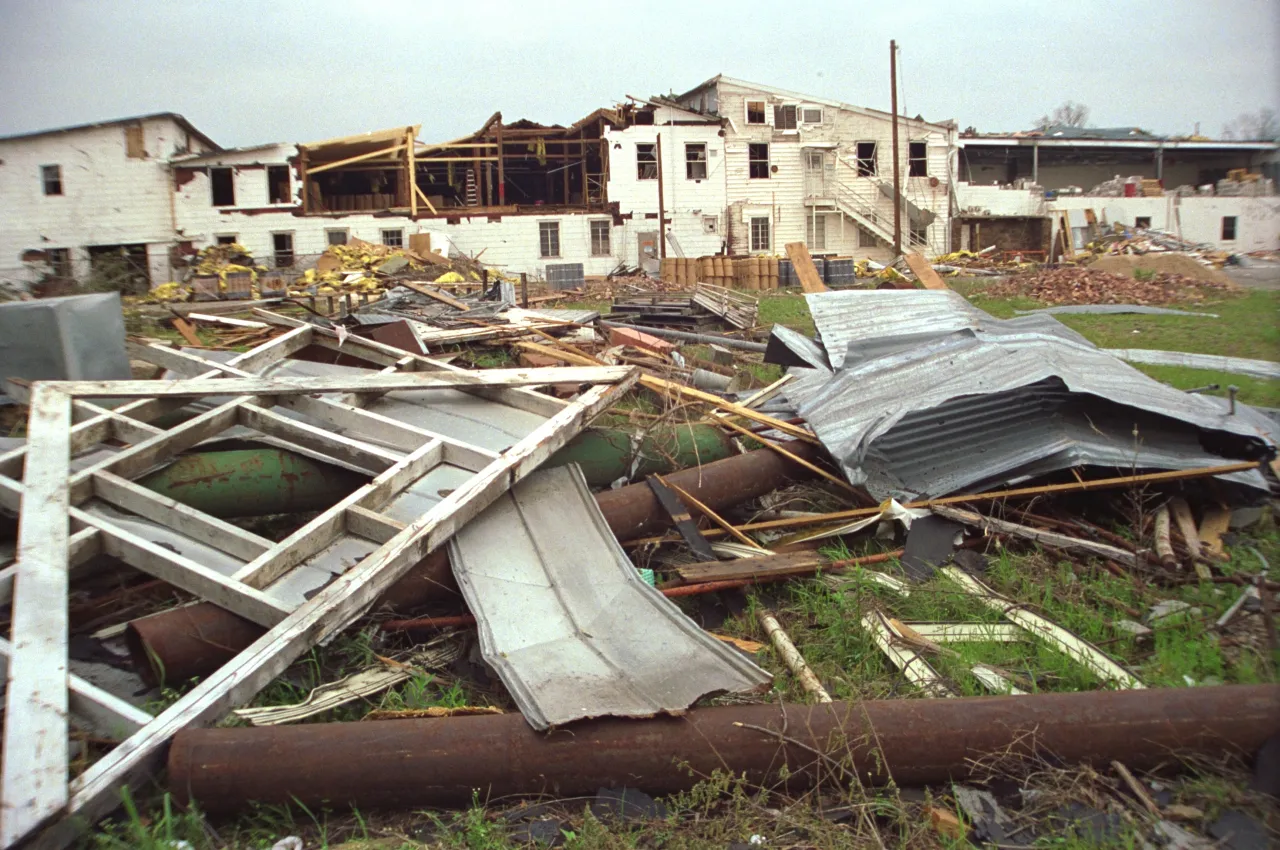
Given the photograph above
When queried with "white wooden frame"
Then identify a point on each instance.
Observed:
(55, 533)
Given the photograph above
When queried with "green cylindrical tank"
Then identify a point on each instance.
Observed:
(607, 454)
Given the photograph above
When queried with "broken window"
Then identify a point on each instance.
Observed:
(816, 232)
(919, 233)
(51, 176)
(549, 238)
(600, 238)
(760, 233)
(695, 161)
(865, 153)
(282, 249)
(278, 184)
(811, 115)
(755, 112)
(223, 187)
(1142, 222)
(1228, 228)
(134, 143)
(646, 162)
(784, 117)
(917, 159)
(710, 224)
(393, 238)
(225, 239)
(758, 161)
(59, 260)
(336, 237)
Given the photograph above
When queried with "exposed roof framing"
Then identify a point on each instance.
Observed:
(67, 515)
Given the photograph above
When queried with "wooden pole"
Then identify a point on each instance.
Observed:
(662, 232)
(305, 177)
(897, 176)
(524, 289)
(582, 149)
(502, 175)
(411, 141)
(791, 656)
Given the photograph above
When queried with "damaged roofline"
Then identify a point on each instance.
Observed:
(1140, 144)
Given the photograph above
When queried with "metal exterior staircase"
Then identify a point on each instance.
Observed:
(827, 192)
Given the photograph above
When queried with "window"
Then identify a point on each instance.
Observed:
(758, 162)
(784, 117)
(336, 237)
(225, 239)
(695, 161)
(278, 184)
(646, 162)
(59, 260)
(223, 186)
(1142, 222)
(134, 144)
(811, 115)
(816, 232)
(919, 233)
(865, 152)
(710, 224)
(760, 234)
(1228, 228)
(549, 238)
(917, 159)
(393, 238)
(755, 112)
(51, 175)
(282, 249)
(600, 238)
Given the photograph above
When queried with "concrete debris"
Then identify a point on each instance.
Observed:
(1092, 285)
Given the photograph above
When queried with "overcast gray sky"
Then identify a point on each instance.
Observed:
(247, 72)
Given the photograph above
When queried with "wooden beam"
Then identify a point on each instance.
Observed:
(671, 388)
(35, 720)
(329, 166)
(431, 293)
(410, 143)
(361, 454)
(924, 272)
(806, 271)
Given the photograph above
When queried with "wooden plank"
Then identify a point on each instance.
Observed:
(1051, 539)
(431, 293)
(188, 332)
(257, 359)
(1214, 524)
(924, 272)
(97, 791)
(783, 563)
(1181, 513)
(197, 525)
(35, 720)
(225, 320)
(655, 383)
(372, 525)
(363, 455)
(806, 271)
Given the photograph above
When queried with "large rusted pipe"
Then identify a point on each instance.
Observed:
(175, 646)
(444, 761)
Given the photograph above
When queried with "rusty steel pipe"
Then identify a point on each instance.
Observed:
(444, 761)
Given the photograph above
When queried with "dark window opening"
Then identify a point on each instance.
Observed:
(600, 238)
(336, 237)
(282, 249)
(695, 161)
(1228, 228)
(646, 162)
(866, 157)
(1142, 222)
(755, 112)
(226, 239)
(917, 159)
(59, 260)
(393, 238)
(51, 176)
(278, 184)
(645, 117)
(223, 187)
(549, 238)
(758, 161)
(784, 118)
(919, 234)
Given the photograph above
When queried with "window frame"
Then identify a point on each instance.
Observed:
(399, 235)
(711, 224)
(918, 166)
(272, 197)
(641, 164)
(277, 252)
(592, 226)
(822, 115)
(689, 164)
(1235, 228)
(918, 233)
(753, 161)
(545, 249)
(219, 238)
(60, 268)
(45, 182)
(331, 232)
(213, 190)
(1142, 222)
(812, 224)
(780, 114)
(764, 113)
(752, 228)
(135, 141)
(860, 163)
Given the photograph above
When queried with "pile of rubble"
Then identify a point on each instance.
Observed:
(1089, 285)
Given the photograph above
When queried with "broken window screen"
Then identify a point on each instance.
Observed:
(695, 161)
(866, 157)
(755, 112)
(549, 238)
(223, 187)
(1228, 228)
(816, 232)
(784, 117)
(282, 249)
(758, 161)
(134, 146)
(811, 115)
(51, 176)
(336, 237)
(59, 260)
(646, 162)
(278, 184)
(917, 159)
(225, 239)
(760, 234)
(600, 238)
(393, 238)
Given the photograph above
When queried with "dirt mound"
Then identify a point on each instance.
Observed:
(1171, 263)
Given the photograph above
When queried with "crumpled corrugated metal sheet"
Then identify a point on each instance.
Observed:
(935, 396)
(567, 622)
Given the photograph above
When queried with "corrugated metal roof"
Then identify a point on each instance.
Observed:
(566, 620)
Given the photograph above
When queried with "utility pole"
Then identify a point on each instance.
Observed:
(662, 213)
(897, 177)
